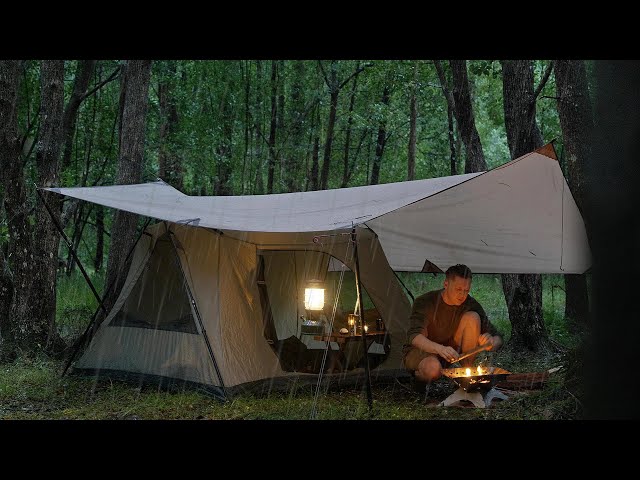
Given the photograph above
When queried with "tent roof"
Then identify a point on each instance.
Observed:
(517, 218)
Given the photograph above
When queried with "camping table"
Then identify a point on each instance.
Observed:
(342, 339)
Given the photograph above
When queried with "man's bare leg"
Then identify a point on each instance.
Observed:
(466, 336)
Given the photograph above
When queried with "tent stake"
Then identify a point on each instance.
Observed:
(360, 308)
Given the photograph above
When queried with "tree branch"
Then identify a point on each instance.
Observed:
(324, 74)
(443, 84)
(543, 82)
(356, 72)
(111, 77)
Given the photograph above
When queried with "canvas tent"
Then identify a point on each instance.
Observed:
(220, 279)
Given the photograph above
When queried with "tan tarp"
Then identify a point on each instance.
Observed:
(518, 218)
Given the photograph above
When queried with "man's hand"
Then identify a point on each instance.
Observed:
(448, 353)
(492, 341)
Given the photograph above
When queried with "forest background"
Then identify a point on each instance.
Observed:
(251, 127)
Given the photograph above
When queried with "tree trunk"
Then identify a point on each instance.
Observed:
(334, 90)
(280, 124)
(134, 98)
(169, 163)
(47, 237)
(382, 139)
(273, 126)
(298, 146)
(347, 140)
(576, 121)
(97, 263)
(326, 162)
(475, 161)
(13, 202)
(314, 163)
(85, 70)
(523, 293)
(453, 149)
(246, 76)
(451, 104)
(523, 134)
(259, 183)
(281, 95)
(222, 183)
(413, 122)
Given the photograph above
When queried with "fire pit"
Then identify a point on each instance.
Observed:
(476, 385)
(476, 379)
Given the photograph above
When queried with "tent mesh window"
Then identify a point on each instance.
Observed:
(159, 300)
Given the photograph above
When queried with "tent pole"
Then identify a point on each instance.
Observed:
(360, 307)
(82, 339)
(197, 312)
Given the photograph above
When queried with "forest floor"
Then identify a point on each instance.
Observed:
(33, 389)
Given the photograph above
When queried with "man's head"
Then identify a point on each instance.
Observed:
(457, 283)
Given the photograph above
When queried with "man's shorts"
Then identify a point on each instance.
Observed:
(414, 356)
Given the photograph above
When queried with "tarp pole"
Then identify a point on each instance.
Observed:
(82, 340)
(70, 246)
(354, 239)
(402, 283)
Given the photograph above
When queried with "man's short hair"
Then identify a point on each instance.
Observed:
(458, 270)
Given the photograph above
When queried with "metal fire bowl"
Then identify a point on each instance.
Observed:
(473, 383)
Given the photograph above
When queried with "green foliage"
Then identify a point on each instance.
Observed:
(4, 232)
(75, 303)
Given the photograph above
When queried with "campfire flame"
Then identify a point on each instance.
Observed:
(479, 370)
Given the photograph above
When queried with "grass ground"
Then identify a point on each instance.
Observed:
(31, 388)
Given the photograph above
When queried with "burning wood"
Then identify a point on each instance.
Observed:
(482, 378)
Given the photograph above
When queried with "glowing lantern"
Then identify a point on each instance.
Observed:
(314, 296)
